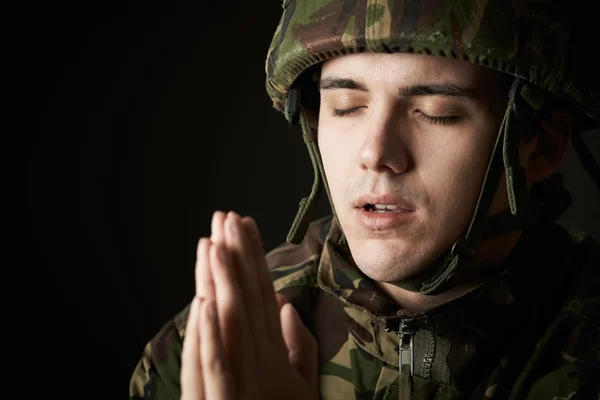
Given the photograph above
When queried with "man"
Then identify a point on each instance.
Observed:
(435, 128)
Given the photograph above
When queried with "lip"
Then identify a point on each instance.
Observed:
(375, 221)
(382, 221)
(388, 199)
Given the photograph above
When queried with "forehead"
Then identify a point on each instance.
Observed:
(393, 69)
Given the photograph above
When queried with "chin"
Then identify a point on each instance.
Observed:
(387, 260)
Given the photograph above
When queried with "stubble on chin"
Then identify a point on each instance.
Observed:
(384, 264)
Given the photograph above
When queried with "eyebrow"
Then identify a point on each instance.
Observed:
(432, 89)
(436, 89)
(341, 83)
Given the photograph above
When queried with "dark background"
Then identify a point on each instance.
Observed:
(139, 122)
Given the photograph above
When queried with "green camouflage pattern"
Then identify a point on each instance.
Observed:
(530, 39)
(531, 334)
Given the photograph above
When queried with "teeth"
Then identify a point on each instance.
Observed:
(384, 207)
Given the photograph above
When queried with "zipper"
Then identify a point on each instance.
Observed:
(429, 355)
(406, 361)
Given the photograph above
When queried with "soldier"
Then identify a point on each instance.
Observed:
(435, 128)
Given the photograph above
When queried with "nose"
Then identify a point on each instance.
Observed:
(384, 148)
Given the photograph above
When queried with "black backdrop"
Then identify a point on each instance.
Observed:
(139, 122)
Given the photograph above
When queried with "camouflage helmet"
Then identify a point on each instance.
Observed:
(530, 39)
(537, 42)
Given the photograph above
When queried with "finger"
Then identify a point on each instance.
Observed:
(266, 285)
(239, 244)
(301, 344)
(216, 227)
(204, 283)
(191, 366)
(235, 332)
(217, 378)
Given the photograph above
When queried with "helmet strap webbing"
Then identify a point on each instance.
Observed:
(454, 265)
(308, 205)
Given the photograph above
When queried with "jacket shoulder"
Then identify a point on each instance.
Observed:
(294, 268)
(566, 360)
(156, 376)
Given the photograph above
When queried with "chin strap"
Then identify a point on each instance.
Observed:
(454, 265)
(308, 205)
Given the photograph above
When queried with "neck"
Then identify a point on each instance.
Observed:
(492, 252)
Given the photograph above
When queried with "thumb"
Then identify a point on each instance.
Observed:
(301, 344)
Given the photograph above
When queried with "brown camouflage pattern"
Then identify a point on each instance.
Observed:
(532, 39)
(532, 334)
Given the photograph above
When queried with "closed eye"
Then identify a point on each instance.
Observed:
(438, 119)
(344, 113)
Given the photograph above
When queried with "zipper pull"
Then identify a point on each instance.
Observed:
(406, 351)
(406, 358)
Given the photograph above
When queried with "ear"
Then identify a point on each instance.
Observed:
(547, 150)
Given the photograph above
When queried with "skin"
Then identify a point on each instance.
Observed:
(252, 344)
(429, 149)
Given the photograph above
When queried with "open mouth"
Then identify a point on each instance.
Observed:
(383, 208)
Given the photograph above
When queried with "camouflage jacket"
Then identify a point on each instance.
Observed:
(531, 334)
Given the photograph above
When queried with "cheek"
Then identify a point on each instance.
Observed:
(331, 163)
(326, 149)
(336, 149)
(451, 170)
(338, 152)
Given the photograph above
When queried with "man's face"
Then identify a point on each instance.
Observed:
(405, 141)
